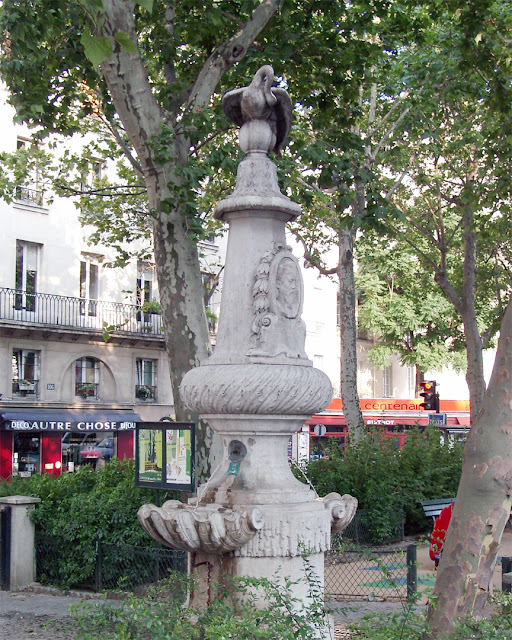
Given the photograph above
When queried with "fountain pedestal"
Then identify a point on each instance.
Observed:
(253, 517)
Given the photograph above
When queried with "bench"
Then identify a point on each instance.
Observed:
(432, 508)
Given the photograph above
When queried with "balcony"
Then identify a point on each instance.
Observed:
(23, 388)
(32, 197)
(50, 316)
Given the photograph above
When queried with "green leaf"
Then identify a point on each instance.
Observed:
(126, 42)
(96, 48)
(146, 4)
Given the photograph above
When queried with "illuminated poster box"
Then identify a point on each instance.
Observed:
(164, 455)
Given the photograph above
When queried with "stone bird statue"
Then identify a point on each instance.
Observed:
(261, 101)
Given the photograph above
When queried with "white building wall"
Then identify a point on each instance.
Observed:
(55, 227)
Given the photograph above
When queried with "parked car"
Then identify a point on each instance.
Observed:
(96, 450)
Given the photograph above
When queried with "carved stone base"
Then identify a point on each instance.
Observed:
(290, 530)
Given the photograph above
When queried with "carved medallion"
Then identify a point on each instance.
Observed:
(278, 295)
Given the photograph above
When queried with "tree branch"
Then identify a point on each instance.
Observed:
(126, 149)
(103, 192)
(209, 138)
(170, 14)
(312, 259)
(228, 54)
(388, 132)
(382, 121)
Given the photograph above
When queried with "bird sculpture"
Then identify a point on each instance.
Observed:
(261, 101)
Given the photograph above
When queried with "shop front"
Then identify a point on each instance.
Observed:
(52, 441)
(395, 418)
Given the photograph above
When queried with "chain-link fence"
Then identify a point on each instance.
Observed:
(373, 527)
(370, 573)
(104, 565)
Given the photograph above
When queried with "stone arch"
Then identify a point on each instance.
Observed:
(108, 391)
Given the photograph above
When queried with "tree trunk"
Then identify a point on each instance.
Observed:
(183, 312)
(176, 257)
(475, 370)
(483, 502)
(465, 305)
(348, 336)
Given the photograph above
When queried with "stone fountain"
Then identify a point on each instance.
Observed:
(253, 517)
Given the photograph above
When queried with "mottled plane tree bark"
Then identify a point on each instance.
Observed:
(482, 506)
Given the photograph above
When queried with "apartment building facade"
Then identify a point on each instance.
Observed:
(68, 397)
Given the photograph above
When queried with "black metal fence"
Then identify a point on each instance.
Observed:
(51, 310)
(104, 566)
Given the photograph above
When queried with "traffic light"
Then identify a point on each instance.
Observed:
(429, 393)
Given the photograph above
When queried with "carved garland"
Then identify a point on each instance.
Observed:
(260, 290)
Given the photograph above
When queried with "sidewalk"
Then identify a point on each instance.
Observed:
(37, 614)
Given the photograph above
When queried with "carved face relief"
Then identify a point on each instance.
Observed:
(286, 287)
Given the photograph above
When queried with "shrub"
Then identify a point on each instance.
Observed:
(79, 508)
(409, 625)
(159, 614)
(384, 479)
(235, 612)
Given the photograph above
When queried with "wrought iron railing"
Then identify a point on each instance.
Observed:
(104, 566)
(63, 311)
(25, 387)
(29, 196)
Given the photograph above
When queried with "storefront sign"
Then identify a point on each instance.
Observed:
(164, 455)
(390, 405)
(48, 425)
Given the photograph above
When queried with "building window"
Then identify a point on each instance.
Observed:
(92, 449)
(89, 284)
(387, 382)
(209, 284)
(92, 174)
(145, 383)
(25, 372)
(27, 258)
(31, 191)
(87, 377)
(145, 293)
(318, 361)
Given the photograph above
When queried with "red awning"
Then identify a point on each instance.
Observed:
(386, 421)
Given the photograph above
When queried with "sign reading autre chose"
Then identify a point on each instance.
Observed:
(56, 425)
